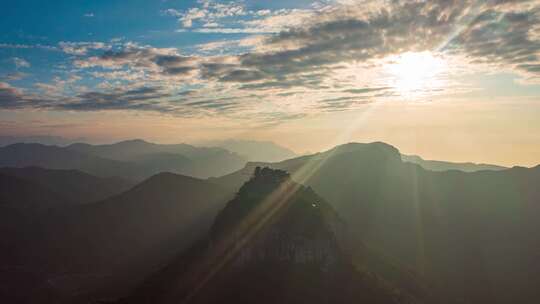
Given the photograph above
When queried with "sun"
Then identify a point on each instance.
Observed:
(415, 73)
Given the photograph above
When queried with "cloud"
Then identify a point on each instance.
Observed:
(309, 51)
(21, 63)
(228, 30)
(139, 98)
(278, 20)
(503, 33)
(233, 18)
(365, 90)
(505, 38)
(82, 48)
(164, 60)
(10, 97)
(89, 15)
(219, 104)
(13, 76)
(209, 13)
(27, 46)
(142, 98)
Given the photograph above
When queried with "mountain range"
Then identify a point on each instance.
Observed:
(276, 241)
(470, 234)
(401, 233)
(437, 165)
(40, 139)
(134, 160)
(254, 150)
(85, 250)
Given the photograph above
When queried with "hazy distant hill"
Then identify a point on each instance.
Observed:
(275, 242)
(435, 165)
(53, 157)
(38, 139)
(133, 160)
(76, 186)
(104, 248)
(461, 237)
(474, 235)
(178, 158)
(253, 150)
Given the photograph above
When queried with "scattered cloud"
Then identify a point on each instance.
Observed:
(13, 76)
(10, 97)
(82, 48)
(209, 13)
(234, 18)
(334, 54)
(21, 63)
(27, 46)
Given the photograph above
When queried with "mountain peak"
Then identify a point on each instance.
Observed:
(279, 213)
(168, 180)
(355, 146)
(133, 142)
(371, 152)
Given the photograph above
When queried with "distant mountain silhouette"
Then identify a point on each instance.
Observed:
(474, 236)
(184, 159)
(53, 157)
(37, 139)
(102, 249)
(75, 186)
(411, 234)
(275, 242)
(132, 160)
(253, 150)
(435, 165)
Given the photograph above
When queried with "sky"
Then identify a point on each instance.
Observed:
(452, 80)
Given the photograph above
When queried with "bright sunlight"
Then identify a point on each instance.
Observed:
(413, 74)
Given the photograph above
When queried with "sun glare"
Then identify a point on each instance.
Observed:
(414, 74)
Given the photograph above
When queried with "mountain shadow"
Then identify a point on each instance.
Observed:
(101, 249)
(76, 186)
(275, 242)
(23, 205)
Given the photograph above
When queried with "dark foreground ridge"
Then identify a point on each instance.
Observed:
(275, 242)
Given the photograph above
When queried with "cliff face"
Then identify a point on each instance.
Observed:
(274, 220)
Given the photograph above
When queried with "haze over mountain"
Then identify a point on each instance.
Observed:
(147, 152)
(54, 157)
(179, 158)
(75, 186)
(471, 234)
(101, 249)
(133, 160)
(430, 236)
(254, 150)
(275, 242)
(37, 139)
(436, 165)
(23, 195)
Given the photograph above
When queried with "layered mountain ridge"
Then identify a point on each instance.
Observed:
(469, 233)
(275, 242)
